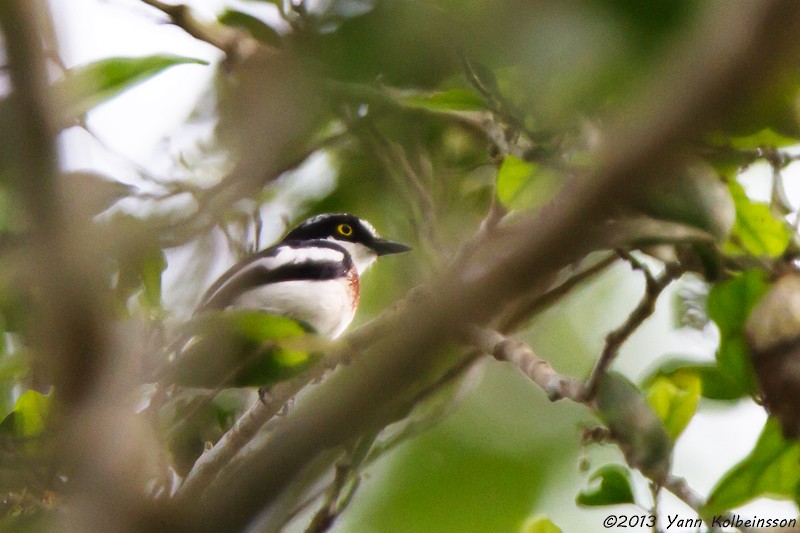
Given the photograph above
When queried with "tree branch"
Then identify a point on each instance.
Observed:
(236, 44)
(530, 305)
(249, 424)
(647, 305)
(558, 386)
(735, 47)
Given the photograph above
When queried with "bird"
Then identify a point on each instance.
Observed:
(312, 275)
(311, 278)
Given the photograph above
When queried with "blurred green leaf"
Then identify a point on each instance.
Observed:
(614, 487)
(227, 406)
(513, 176)
(256, 27)
(13, 219)
(756, 230)
(29, 417)
(539, 524)
(765, 137)
(772, 468)
(189, 420)
(14, 307)
(713, 383)
(87, 86)
(243, 349)
(150, 269)
(774, 107)
(33, 521)
(694, 196)
(636, 427)
(259, 326)
(451, 100)
(523, 185)
(729, 305)
(674, 399)
(140, 271)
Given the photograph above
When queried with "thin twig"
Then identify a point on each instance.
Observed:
(679, 487)
(496, 102)
(259, 413)
(647, 305)
(558, 386)
(673, 108)
(487, 228)
(397, 165)
(529, 306)
(655, 490)
(246, 427)
(234, 43)
(328, 512)
(416, 427)
(346, 469)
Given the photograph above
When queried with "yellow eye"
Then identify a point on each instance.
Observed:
(344, 229)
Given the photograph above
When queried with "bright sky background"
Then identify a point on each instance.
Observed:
(145, 128)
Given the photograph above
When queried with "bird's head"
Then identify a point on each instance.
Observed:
(355, 235)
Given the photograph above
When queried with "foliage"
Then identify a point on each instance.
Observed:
(448, 125)
(614, 487)
(770, 469)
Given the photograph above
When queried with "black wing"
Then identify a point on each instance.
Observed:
(248, 274)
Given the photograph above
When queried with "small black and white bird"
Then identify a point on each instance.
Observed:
(312, 275)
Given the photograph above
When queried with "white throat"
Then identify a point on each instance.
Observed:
(362, 256)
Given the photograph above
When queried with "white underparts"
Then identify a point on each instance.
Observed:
(326, 305)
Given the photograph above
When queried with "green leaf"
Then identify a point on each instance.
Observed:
(539, 524)
(151, 267)
(636, 427)
(614, 487)
(674, 399)
(256, 27)
(451, 100)
(513, 177)
(764, 137)
(694, 196)
(243, 349)
(713, 383)
(29, 417)
(257, 326)
(188, 421)
(523, 185)
(87, 86)
(729, 305)
(756, 230)
(772, 468)
(140, 272)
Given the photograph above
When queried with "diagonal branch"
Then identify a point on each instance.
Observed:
(654, 286)
(528, 306)
(234, 43)
(558, 386)
(735, 47)
(259, 413)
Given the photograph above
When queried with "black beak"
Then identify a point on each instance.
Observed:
(383, 247)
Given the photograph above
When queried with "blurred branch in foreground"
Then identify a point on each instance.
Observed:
(717, 66)
(276, 108)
